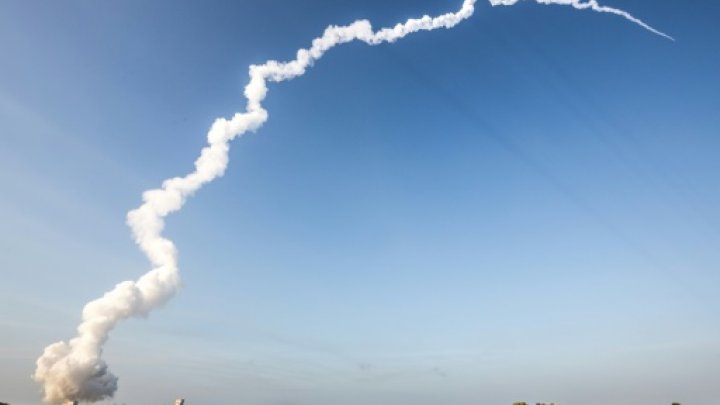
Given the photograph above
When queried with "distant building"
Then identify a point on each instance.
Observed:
(70, 403)
(180, 401)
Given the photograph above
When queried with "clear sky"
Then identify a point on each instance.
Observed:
(522, 208)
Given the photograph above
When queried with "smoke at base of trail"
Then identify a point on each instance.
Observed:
(75, 370)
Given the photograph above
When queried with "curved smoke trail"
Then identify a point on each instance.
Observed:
(592, 5)
(75, 370)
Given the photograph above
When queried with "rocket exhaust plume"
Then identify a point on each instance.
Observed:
(593, 5)
(74, 370)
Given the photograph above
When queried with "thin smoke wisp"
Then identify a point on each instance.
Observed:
(592, 5)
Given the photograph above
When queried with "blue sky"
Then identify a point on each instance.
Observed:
(521, 208)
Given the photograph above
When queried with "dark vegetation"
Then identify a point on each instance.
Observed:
(514, 403)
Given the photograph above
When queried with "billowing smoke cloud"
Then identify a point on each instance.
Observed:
(593, 5)
(74, 370)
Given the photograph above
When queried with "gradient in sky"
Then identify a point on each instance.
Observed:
(521, 208)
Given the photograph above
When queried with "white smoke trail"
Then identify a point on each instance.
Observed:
(593, 5)
(74, 370)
